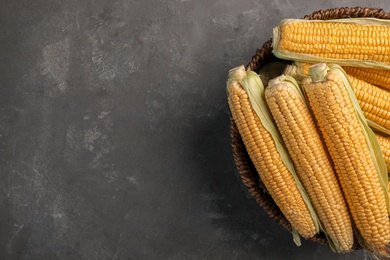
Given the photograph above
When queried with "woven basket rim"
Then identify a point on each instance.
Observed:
(244, 166)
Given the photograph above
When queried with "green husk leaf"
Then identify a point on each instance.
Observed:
(371, 139)
(303, 57)
(378, 128)
(255, 90)
(296, 237)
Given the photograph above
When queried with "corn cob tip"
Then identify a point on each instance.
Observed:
(235, 75)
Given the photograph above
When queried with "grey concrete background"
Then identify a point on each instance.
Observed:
(114, 140)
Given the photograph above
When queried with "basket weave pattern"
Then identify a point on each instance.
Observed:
(244, 165)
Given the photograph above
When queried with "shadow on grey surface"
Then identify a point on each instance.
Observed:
(240, 225)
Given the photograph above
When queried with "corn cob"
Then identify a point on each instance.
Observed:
(384, 142)
(374, 101)
(350, 152)
(263, 151)
(310, 158)
(378, 77)
(359, 42)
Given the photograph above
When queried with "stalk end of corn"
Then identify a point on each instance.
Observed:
(318, 72)
(237, 72)
(236, 75)
(290, 70)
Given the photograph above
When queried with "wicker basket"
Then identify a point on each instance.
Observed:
(244, 165)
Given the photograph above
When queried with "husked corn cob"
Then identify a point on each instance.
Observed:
(376, 77)
(384, 142)
(310, 159)
(351, 155)
(263, 152)
(351, 42)
(374, 101)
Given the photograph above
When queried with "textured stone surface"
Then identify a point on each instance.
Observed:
(114, 139)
